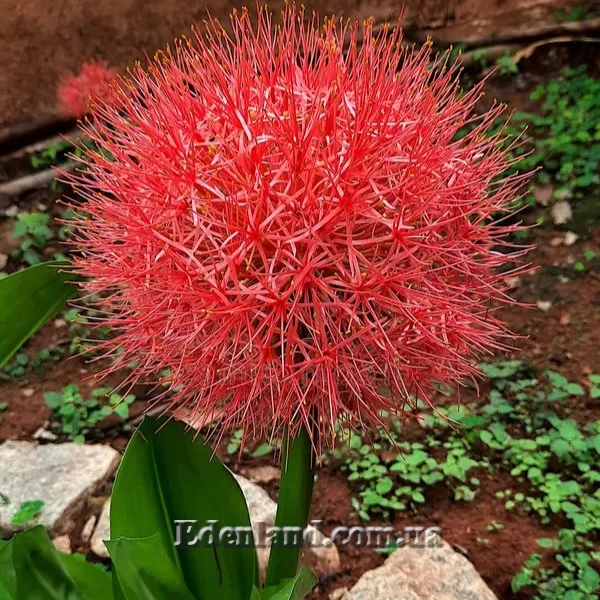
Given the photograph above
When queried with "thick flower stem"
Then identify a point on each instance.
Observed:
(295, 493)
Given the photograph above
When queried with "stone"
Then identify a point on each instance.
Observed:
(561, 212)
(432, 572)
(322, 551)
(63, 476)
(63, 544)
(570, 238)
(44, 435)
(102, 532)
(544, 305)
(3, 261)
(262, 475)
(88, 529)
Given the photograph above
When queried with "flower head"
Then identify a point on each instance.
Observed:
(77, 92)
(286, 220)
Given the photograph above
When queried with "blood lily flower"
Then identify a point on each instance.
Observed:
(77, 92)
(284, 219)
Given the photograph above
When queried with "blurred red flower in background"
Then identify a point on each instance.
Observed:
(77, 92)
(295, 231)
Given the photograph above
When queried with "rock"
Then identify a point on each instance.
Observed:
(102, 532)
(44, 435)
(557, 241)
(544, 305)
(3, 261)
(88, 529)
(63, 476)
(570, 238)
(422, 573)
(59, 323)
(262, 475)
(262, 515)
(28, 392)
(340, 594)
(63, 544)
(561, 212)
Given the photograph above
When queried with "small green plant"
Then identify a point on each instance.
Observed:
(595, 385)
(235, 442)
(52, 155)
(33, 230)
(506, 65)
(22, 364)
(573, 576)
(28, 511)
(77, 416)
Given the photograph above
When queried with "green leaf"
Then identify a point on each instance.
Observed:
(92, 580)
(296, 589)
(28, 299)
(28, 511)
(8, 578)
(575, 389)
(262, 450)
(40, 574)
(145, 572)
(384, 485)
(181, 479)
(295, 494)
(560, 447)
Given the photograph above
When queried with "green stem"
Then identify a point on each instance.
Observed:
(295, 493)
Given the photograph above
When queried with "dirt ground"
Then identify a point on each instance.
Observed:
(40, 41)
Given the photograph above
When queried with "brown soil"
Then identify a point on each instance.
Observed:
(40, 41)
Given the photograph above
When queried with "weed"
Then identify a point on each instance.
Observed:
(33, 230)
(78, 416)
(506, 65)
(28, 511)
(22, 364)
(235, 443)
(52, 155)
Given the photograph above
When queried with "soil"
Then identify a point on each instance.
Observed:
(41, 41)
(566, 335)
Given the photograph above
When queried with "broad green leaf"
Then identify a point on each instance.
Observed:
(28, 299)
(39, 572)
(169, 474)
(144, 572)
(295, 589)
(92, 580)
(8, 581)
(295, 494)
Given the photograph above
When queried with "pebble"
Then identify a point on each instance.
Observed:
(544, 305)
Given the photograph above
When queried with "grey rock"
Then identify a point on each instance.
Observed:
(63, 544)
(88, 529)
(561, 212)
(63, 476)
(262, 515)
(102, 532)
(44, 435)
(421, 573)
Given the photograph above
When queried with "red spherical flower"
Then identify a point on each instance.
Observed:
(286, 219)
(77, 92)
